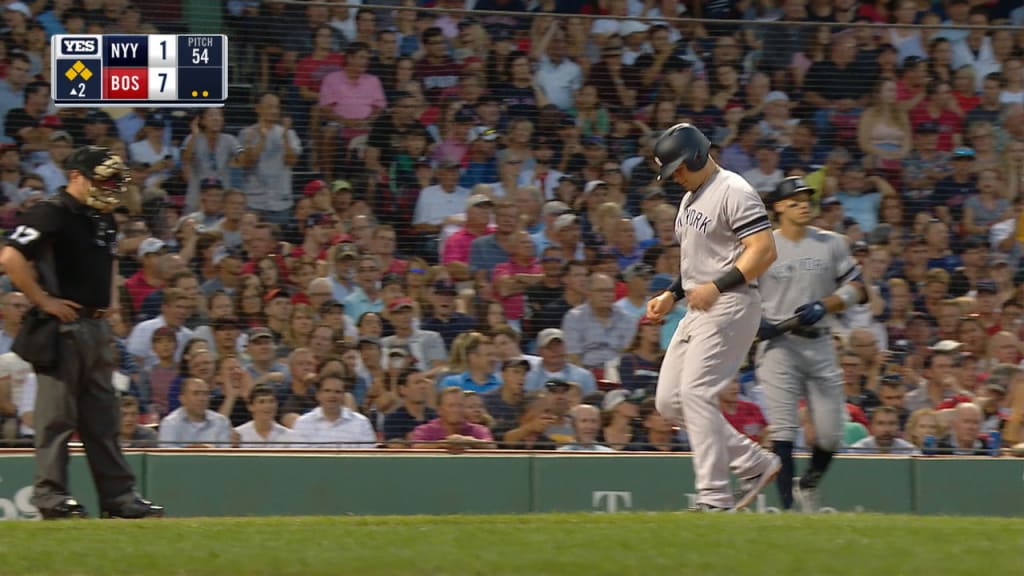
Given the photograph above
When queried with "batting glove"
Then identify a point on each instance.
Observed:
(811, 313)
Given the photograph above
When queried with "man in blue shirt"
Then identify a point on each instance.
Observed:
(479, 376)
(482, 167)
(555, 365)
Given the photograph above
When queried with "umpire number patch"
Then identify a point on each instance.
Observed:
(24, 234)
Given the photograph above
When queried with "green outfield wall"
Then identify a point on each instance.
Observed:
(237, 483)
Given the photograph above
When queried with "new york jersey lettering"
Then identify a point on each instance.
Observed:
(697, 220)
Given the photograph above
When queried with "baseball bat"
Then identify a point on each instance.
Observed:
(784, 326)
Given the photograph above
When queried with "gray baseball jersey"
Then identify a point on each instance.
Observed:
(709, 346)
(711, 223)
(805, 271)
(791, 366)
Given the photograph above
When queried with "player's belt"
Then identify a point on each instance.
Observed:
(808, 332)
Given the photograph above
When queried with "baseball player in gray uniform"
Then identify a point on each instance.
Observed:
(725, 244)
(813, 276)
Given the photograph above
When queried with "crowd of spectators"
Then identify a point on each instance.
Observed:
(427, 226)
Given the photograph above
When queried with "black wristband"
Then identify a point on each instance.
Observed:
(731, 279)
(676, 288)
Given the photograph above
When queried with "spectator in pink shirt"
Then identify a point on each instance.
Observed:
(455, 252)
(350, 100)
(451, 426)
(512, 278)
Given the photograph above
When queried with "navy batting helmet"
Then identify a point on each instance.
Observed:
(789, 187)
(681, 145)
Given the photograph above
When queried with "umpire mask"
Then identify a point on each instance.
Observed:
(107, 173)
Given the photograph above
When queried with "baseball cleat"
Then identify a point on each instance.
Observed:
(751, 487)
(807, 497)
(702, 507)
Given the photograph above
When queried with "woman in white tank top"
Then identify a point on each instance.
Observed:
(884, 132)
(907, 41)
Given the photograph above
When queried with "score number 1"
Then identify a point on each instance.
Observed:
(199, 56)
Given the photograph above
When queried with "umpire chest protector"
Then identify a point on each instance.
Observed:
(84, 242)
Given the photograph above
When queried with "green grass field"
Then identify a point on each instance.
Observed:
(586, 544)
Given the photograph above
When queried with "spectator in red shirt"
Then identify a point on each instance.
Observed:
(941, 108)
(320, 226)
(383, 247)
(963, 89)
(437, 71)
(149, 278)
(311, 70)
(262, 242)
(910, 87)
(319, 194)
(512, 278)
(451, 426)
(455, 252)
(744, 416)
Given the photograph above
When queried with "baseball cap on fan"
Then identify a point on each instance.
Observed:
(223, 253)
(479, 200)
(483, 133)
(593, 185)
(151, 246)
(564, 221)
(19, 7)
(445, 287)
(211, 183)
(549, 335)
(555, 208)
(313, 187)
(615, 397)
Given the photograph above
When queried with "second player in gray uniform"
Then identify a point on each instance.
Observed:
(814, 276)
(725, 243)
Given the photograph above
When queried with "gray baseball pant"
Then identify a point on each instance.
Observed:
(705, 354)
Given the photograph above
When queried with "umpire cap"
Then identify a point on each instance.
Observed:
(788, 187)
(682, 144)
(86, 159)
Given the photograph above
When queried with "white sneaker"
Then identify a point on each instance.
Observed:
(708, 508)
(751, 487)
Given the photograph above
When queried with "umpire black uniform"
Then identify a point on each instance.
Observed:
(76, 231)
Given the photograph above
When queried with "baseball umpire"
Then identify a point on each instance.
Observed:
(69, 241)
(726, 243)
(814, 275)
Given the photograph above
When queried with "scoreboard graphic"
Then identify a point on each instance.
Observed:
(165, 70)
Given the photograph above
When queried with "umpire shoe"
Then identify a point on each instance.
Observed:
(66, 509)
(136, 510)
(751, 487)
